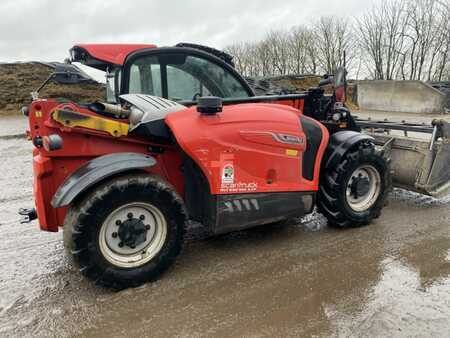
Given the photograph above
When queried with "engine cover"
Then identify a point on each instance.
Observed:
(249, 148)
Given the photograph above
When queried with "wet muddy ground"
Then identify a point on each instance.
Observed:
(12, 125)
(304, 279)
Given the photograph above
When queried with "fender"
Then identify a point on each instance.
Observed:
(340, 143)
(97, 170)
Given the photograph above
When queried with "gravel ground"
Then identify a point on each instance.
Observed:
(12, 125)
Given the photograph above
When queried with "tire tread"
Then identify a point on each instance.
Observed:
(78, 230)
(330, 200)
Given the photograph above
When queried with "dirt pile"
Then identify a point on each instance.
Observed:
(290, 84)
(275, 85)
(300, 83)
(18, 80)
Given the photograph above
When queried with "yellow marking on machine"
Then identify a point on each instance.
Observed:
(38, 113)
(291, 152)
(69, 118)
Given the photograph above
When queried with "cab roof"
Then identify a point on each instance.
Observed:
(101, 56)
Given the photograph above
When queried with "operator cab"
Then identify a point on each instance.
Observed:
(181, 73)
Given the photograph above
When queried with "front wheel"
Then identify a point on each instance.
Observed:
(354, 192)
(126, 231)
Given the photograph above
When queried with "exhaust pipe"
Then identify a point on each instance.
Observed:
(113, 109)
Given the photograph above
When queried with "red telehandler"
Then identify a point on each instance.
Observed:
(182, 137)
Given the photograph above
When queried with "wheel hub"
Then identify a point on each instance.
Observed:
(360, 186)
(363, 188)
(132, 232)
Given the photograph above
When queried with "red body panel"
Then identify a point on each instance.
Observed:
(113, 53)
(299, 104)
(79, 146)
(243, 140)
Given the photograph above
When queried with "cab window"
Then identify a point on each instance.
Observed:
(145, 77)
(183, 86)
(179, 76)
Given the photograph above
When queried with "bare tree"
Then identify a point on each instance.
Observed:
(381, 33)
(333, 37)
(397, 39)
(296, 44)
(439, 62)
(239, 52)
(276, 43)
(420, 21)
(426, 40)
(302, 50)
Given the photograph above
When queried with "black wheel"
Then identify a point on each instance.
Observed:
(126, 231)
(353, 193)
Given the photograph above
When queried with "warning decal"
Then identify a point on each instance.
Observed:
(228, 173)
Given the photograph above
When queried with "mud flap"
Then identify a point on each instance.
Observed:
(96, 170)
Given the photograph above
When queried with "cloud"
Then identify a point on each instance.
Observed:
(46, 29)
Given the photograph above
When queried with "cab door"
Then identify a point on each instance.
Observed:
(181, 74)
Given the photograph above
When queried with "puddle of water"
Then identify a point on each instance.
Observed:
(412, 297)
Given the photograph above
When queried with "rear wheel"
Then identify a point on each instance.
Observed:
(353, 193)
(127, 231)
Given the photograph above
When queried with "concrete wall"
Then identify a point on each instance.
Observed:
(400, 96)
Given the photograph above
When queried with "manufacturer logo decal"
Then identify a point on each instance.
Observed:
(289, 139)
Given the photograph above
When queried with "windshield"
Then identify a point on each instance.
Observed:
(182, 77)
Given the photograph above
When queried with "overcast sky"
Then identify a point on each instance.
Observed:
(46, 29)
